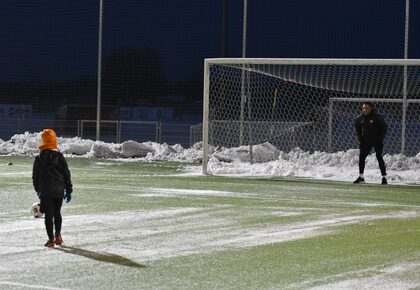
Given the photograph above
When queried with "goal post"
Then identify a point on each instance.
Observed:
(307, 103)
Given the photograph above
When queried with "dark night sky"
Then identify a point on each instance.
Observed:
(59, 38)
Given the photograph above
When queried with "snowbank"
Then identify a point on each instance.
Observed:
(267, 159)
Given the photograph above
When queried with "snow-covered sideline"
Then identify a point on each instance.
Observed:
(267, 159)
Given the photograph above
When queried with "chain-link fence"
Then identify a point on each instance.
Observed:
(150, 82)
(152, 55)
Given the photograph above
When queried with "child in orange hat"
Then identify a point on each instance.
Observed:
(51, 179)
(49, 140)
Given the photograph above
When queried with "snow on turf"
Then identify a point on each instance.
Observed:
(268, 160)
(148, 235)
(156, 234)
(384, 278)
(164, 233)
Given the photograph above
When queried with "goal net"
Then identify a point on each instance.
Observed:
(308, 103)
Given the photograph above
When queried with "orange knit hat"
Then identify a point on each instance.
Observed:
(49, 140)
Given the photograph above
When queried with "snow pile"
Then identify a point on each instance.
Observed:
(268, 160)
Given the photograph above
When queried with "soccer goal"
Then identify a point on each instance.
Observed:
(307, 103)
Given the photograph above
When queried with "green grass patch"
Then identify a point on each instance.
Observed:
(152, 227)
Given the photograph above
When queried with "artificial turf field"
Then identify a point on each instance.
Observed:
(137, 225)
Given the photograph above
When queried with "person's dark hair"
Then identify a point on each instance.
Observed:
(369, 104)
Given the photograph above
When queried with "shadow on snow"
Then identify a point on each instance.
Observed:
(100, 256)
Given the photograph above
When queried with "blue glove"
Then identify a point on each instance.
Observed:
(67, 197)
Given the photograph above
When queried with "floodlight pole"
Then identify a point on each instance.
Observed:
(404, 108)
(244, 28)
(223, 38)
(99, 82)
(243, 97)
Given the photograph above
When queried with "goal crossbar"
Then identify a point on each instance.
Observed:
(313, 61)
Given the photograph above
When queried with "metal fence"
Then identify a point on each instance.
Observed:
(113, 131)
(62, 60)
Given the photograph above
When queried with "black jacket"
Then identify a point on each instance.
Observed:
(51, 175)
(371, 128)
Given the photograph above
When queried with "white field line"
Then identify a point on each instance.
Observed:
(17, 174)
(167, 192)
(162, 192)
(380, 278)
(31, 286)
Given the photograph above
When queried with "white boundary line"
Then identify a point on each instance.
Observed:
(30, 286)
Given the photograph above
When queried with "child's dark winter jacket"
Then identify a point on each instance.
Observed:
(51, 175)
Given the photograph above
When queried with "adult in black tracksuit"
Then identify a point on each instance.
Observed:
(51, 178)
(371, 129)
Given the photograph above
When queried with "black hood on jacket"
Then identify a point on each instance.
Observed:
(49, 158)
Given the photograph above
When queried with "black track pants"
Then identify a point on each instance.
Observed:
(364, 152)
(52, 210)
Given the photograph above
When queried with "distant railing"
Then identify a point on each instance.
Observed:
(111, 130)
(134, 130)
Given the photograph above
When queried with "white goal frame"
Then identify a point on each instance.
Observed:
(292, 61)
